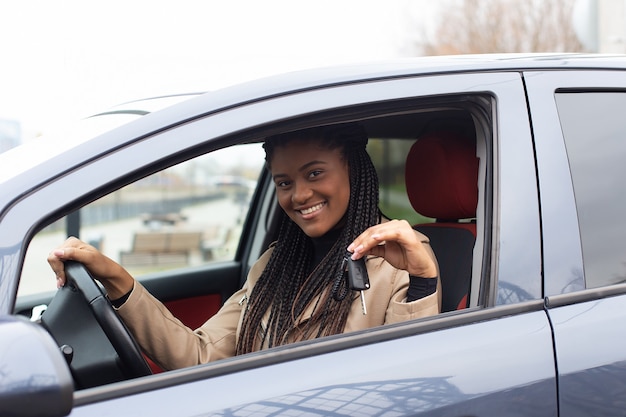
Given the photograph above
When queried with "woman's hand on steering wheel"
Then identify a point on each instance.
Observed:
(115, 279)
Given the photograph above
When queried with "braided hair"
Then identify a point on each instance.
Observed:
(287, 287)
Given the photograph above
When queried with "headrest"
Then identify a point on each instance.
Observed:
(442, 176)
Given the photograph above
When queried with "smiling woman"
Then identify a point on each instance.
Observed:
(327, 187)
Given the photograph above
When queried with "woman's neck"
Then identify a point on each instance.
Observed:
(323, 244)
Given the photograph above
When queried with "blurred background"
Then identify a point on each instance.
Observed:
(62, 60)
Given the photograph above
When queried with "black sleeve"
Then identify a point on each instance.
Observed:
(118, 302)
(420, 287)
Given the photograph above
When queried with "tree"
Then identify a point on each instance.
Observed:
(486, 26)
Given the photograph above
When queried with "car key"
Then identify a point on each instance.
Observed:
(358, 279)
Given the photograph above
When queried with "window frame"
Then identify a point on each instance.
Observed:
(167, 147)
(561, 244)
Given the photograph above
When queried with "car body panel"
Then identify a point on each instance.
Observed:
(590, 341)
(589, 330)
(374, 379)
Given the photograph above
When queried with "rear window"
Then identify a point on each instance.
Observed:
(594, 128)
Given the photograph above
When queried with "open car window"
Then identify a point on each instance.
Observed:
(186, 215)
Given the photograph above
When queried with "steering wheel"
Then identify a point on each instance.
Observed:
(110, 322)
(103, 350)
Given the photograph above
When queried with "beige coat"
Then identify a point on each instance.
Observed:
(172, 345)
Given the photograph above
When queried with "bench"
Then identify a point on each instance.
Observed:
(161, 248)
(215, 239)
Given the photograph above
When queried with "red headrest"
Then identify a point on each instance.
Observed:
(442, 176)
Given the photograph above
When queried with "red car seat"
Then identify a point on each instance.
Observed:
(442, 183)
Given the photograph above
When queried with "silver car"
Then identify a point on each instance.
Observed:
(528, 227)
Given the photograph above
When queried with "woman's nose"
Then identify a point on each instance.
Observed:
(301, 193)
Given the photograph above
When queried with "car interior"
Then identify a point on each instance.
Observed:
(442, 183)
(444, 150)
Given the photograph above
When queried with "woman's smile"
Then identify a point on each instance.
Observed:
(311, 210)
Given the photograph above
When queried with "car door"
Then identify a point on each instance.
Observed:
(475, 361)
(579, 127)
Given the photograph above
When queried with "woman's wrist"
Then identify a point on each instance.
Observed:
(428, 272)
(118, 302)
(411, 276)
(119, 284)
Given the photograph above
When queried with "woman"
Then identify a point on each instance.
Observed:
(327, 187)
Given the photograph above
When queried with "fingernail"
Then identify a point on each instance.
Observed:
(59, 252)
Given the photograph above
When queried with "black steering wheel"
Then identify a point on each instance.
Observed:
(100, 352)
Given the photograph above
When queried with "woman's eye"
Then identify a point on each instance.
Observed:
(282, 184)
(315, 173)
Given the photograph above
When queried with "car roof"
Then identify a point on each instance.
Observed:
(380, 70)
(190, 106)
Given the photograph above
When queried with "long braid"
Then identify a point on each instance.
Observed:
(277, 276)
(287, 288)
(362, 213)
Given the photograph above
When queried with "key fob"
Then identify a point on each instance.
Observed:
(358, 279)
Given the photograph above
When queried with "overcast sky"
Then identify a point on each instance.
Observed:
(64, 60)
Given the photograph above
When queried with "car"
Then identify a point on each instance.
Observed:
(512, 165)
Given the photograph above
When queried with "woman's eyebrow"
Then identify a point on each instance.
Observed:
(308, 164)
(302, 168)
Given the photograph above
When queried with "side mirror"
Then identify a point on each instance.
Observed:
(34, 377)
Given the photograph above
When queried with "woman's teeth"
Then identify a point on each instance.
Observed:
(312, 209)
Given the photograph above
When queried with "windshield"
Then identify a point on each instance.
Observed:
(18, 160)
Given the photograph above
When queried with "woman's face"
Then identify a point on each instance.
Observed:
(312, 185)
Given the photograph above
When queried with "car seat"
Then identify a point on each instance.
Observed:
(441, 177)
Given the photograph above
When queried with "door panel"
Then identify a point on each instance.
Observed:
(501, 367)
(579, 129)
(194, 311)
(590, 341)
